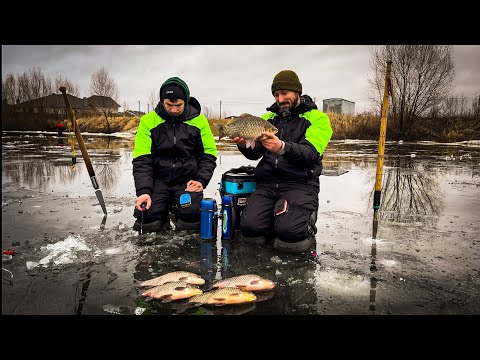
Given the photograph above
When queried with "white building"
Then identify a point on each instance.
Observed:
(339, 106)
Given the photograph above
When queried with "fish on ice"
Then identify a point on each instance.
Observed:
(172, 291)
(250, 282)
(188, 277)
(224, 296)
(246, 126)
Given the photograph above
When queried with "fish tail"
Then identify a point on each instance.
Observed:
(250, 143)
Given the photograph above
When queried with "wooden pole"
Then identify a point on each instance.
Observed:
(381, 148)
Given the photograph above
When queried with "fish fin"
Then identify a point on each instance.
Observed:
(209, 287)
(147, 286)
(241, 287)
(245, 115)
(221, 131)
(219, 298)
(166, 299)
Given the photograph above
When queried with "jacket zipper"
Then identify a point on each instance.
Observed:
(174, 143)
(276, 157)
(281, 132)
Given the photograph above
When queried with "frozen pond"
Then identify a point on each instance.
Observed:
(71, 260)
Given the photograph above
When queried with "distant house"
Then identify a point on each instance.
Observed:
(339, 106)
(133, 113)
(54, 104)
(102, 103)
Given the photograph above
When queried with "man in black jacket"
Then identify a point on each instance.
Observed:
(284, 205)
(173, 160)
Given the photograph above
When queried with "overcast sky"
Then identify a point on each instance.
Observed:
(238, 76)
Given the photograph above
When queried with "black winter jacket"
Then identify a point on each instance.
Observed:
(306, 132)
(174, 150)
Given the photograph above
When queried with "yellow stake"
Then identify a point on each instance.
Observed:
(381, 147)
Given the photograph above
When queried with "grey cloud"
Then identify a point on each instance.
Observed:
(238, 75)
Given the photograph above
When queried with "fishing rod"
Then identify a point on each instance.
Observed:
(86, 158)
(381, 147)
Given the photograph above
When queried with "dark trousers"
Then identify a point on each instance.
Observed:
(164, 196)
(296, 223)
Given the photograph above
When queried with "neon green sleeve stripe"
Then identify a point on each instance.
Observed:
(208, 140)
(320, 132)
(143, 141)
(269, 115)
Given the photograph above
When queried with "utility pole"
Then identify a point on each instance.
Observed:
(148, 108)
(139, 107)
(220, 109)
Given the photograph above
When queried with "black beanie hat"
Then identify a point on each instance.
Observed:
(175, 88)
(286, 80)
(173, 91)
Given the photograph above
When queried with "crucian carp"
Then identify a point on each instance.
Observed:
(250, 282)
(186, 276)
(246, 126)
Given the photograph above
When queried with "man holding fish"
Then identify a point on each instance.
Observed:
(284, 205)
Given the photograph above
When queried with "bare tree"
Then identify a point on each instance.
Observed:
(450, 106)
(154, 99)
(422, 78)
(40, 84)
(209, 113)
(33, 85)
(104, 86)
(23, 86)
(72, 89)
(9, 89)
(476, 106)
(124, 106)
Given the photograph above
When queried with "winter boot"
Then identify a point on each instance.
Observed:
(252, 240)
(155, 226)
(183, 225)
(301, 246)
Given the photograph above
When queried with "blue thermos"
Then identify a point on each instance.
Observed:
(227, 221)
(208, 219)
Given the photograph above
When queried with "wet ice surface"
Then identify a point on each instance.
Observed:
(70, 260)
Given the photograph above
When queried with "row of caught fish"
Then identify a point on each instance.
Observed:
(251, 282)
(181, 290)
(183, 284)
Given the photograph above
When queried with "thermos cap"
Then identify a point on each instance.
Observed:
(207, 204)
(227, 199)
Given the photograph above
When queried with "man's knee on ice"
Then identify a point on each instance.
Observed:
(292, 224)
